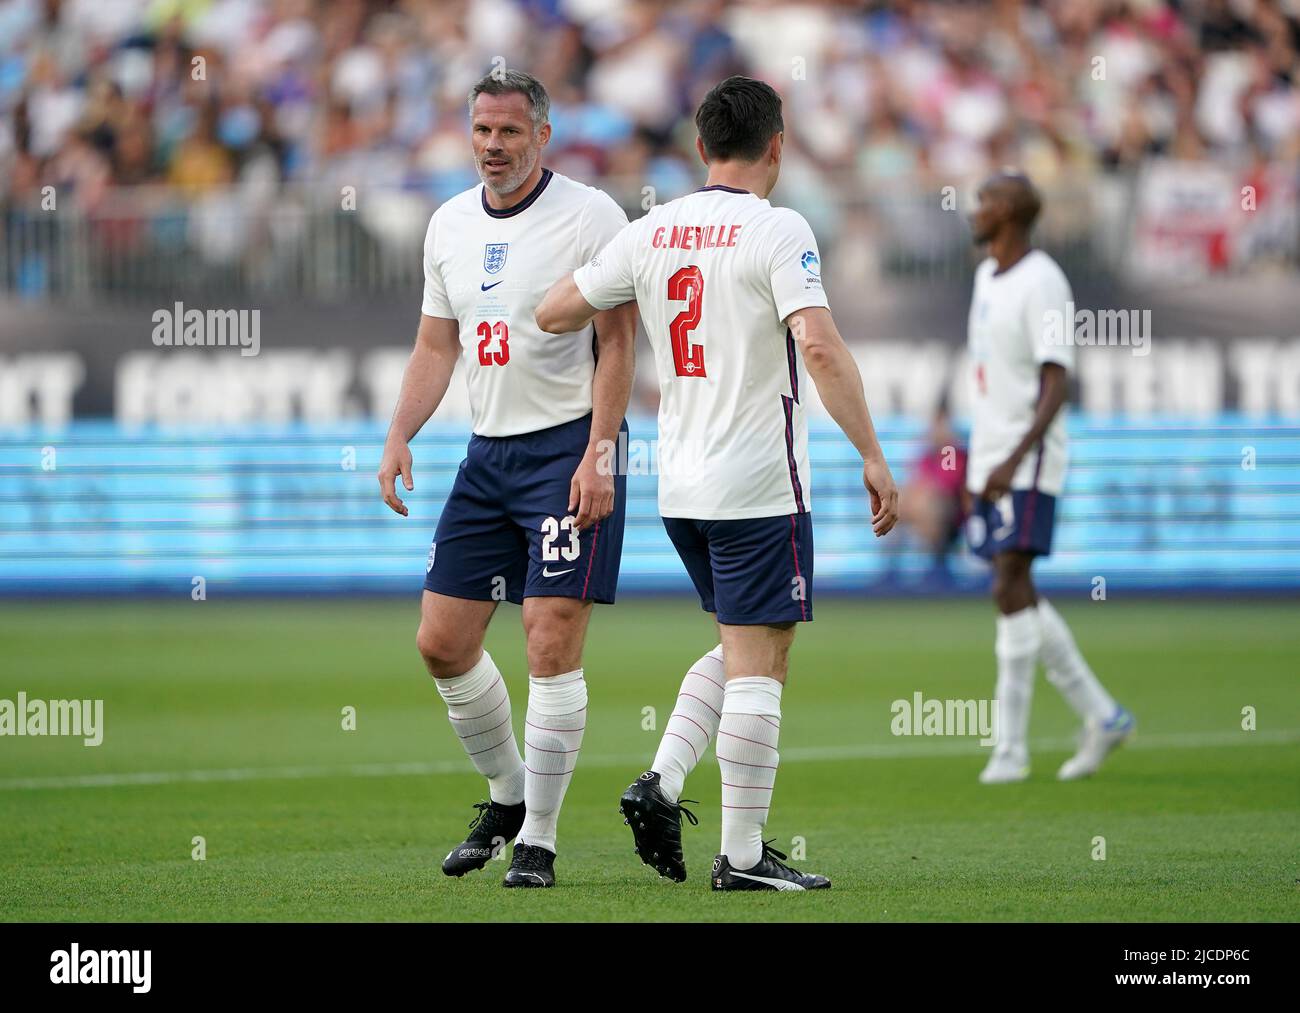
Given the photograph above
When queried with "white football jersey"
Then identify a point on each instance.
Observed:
(715, 274)
(1017, 320)
(488, 270)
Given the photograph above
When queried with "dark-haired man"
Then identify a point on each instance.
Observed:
(531, 518)
(1020, 313)
(729, 288)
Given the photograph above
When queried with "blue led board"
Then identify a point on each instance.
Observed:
(93, 509)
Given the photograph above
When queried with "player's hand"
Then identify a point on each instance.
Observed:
(591, 493)
(884, 495)
(396, 461)
(1000, 479)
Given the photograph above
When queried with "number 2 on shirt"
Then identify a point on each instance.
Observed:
(688, 284)
(486, 333)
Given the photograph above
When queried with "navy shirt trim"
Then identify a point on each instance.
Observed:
(524, 204)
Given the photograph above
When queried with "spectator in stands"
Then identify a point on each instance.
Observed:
(931, 505)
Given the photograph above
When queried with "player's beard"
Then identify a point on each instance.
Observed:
(509, 184)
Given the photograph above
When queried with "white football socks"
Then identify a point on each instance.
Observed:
(557, 715)
(747, 739)
(1018, 642)
(478, 706)
(1069, 672)
(692, 724)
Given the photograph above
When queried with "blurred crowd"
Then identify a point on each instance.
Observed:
(97, 94)
(217, 143)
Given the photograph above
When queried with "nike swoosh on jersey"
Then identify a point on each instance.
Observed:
(484, 287)
(558, 573)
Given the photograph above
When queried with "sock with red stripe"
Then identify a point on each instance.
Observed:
(747, 738)
(692, 724)
(478, 706)
(557, 715)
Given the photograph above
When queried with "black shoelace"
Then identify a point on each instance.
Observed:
(483, 809)
(777, 858)
(690, 816)
(527, 857)
(491, 817)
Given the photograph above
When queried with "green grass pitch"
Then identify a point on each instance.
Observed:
(237, 708)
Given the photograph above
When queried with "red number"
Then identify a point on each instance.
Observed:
(687, 284)
(980, 381)
(486, 333)
(502, 332)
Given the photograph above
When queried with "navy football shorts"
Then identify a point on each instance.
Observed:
(505, 531)
(1019, 522)
(750, 572)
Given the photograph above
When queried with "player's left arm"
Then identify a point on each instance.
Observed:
(839, 382)
(591, 493)
(1052, 395)
(1050, 297)
(793, 268)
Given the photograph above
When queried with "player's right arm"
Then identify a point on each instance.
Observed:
(1050, 296)
(833, 369)
(424, 382)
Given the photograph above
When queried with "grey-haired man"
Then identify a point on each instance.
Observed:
(532, 517)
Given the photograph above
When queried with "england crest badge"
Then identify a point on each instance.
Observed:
(494, 257)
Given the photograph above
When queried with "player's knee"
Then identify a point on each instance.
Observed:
(445, 653)
(554, 648)
(1012, 588)
(1007, 601)
(554, 634)
(550, 653)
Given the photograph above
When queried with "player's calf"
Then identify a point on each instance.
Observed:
(553, 730)
(1016, 647)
